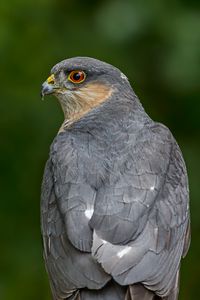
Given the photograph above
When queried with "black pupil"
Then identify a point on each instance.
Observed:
(77, 76)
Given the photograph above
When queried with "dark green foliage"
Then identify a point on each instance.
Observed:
(155, 43)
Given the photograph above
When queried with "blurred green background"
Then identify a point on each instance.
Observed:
(155, 43)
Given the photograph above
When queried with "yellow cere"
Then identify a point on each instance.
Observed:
(51, 79)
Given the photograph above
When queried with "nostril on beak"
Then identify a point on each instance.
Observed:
(51, 79)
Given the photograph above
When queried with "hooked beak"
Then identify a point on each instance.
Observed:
(48, 86)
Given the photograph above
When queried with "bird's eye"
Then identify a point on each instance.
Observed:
(76, 76)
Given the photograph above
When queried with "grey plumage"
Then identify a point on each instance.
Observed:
(114, 207)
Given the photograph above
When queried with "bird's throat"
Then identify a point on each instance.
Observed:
(77, 103)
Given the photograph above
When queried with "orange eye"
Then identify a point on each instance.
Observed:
(77, 76)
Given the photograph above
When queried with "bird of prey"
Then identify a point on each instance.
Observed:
(115, 204)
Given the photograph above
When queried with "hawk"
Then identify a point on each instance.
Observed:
(115, 204)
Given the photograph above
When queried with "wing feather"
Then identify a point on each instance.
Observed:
(68, 268)
(139, 235)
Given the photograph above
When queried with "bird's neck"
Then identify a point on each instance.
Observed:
(79, 103)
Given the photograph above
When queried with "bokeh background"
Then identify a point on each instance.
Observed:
(155, 43)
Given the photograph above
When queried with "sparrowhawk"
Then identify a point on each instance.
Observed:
(115, 204)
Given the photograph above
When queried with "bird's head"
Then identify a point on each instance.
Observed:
(81, 84)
